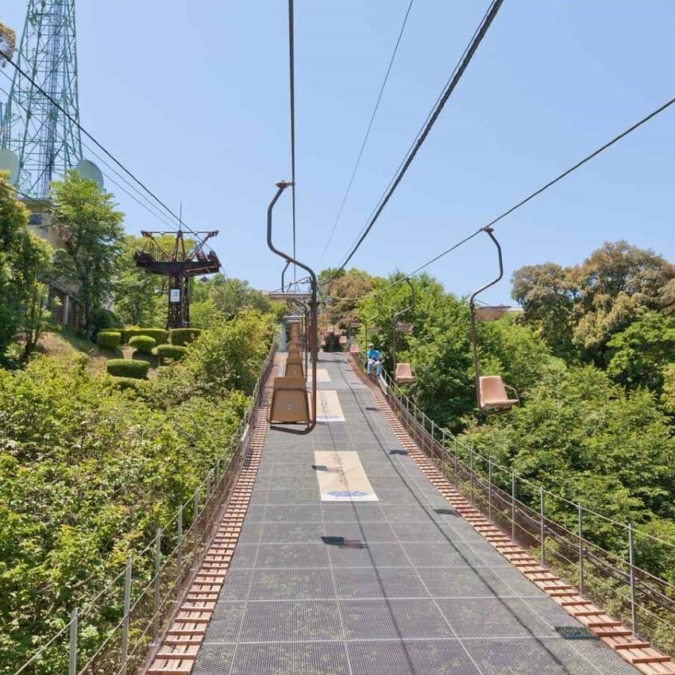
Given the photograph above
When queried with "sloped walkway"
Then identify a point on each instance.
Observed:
(394, 586)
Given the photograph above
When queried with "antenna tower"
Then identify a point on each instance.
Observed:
(178, 263)
(46, 142)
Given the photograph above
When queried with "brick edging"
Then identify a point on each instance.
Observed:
(180, 646)
(639, 653)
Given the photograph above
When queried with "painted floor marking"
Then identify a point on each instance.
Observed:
(328, 407)
(321, 375)
(342, 477)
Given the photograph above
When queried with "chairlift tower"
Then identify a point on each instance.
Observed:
(178, 264)
(38, 142)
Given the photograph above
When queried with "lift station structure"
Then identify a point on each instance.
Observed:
(178, 264)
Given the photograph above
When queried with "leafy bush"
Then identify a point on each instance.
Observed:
(171, 352)
(142, 343)
(128, 368)
(109, 339)
(130, 383)
(183, 336)
(159, 335)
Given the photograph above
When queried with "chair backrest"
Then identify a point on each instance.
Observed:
(492, 391)
(290, 383)
(404, 374)
(355, 349)
(294, 370)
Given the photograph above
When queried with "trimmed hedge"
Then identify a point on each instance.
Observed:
(183, 336)
(171, 352)
(142, 343)
(109, 339)
(128, 368)
(124, 383)
(159, 335)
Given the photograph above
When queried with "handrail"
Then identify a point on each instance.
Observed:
(602, 576)
(282, 185)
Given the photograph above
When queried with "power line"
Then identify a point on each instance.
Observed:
(58, 106)
(531, 196)
(365, 138)
(291, 68)
(431, 120)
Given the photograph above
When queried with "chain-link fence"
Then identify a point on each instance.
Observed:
(574, 545)
(118, 631)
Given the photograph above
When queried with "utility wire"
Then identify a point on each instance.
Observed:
(431, 120)
(530, 197)
(291, 68)
(365, 138)
(60, 108)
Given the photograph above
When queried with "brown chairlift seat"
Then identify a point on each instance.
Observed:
(355, 349)
(493, 396)
(404, 374)
(343, 339)
(294, 370)
(289, 401)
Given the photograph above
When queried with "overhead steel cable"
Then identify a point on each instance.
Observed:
(531, 196)
(60, 108)
(460, 68)
(368, 130)
(291, 68)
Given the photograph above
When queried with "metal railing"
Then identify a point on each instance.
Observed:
(573, 545)
(122, 627)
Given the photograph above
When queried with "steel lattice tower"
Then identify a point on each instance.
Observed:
(46, 142)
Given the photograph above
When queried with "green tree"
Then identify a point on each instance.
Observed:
(639, 354)
(7, 44)
(138, 297)
(91, 232)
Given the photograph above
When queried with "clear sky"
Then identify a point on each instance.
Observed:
(193, 97)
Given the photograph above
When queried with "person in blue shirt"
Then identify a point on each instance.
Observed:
(374, 358)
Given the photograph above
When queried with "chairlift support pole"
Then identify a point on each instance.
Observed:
(312, 305)
(472, 308)
(399, 314)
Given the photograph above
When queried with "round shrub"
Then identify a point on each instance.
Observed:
(171, 352)
(183, 336)
(159, 335)
(128, 368)
(109, 339)
(142, 343)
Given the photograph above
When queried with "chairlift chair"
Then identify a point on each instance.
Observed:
(403, 372)
(491, 392)
(290, 401)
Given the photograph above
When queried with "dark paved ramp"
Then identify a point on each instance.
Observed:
(398, 586)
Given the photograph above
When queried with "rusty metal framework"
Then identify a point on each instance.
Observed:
(178, 264)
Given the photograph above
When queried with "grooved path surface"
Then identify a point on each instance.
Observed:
(402, 585)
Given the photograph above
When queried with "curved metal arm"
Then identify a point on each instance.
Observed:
(312, 329)
(472, 307)
(283, 274)
(397, 315)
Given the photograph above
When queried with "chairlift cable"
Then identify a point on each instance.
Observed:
(367, 135)
(291, 68)
(433, 116)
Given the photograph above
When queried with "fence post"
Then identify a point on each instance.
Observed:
(126, 618)
(158, 562)
(542, 526)
(208, 488)
(456, 465)
(180, 541)
(631, 561)
(489, 489)
(72, 660)
(581, 549)
(471, 463)
(513, 505)
(195, 505)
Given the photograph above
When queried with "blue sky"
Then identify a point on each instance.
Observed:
(193, 97)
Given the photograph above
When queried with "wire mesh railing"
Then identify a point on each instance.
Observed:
(571, 545)
(118, 631)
